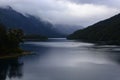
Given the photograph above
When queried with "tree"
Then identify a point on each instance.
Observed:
(3, 36)
(15, 36)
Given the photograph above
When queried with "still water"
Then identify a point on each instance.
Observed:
(61, 59)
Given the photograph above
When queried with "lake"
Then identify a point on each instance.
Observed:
(61, 59)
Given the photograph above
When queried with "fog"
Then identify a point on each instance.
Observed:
(72, 12)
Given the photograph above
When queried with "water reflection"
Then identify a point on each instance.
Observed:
(70, 60)
(10, 68)
(111, 51)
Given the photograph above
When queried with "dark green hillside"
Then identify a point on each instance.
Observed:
(28, 23)
(107, 31)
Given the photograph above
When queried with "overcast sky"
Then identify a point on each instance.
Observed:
(75, 12)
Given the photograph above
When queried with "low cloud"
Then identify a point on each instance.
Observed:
(110, 3)
(74, 12)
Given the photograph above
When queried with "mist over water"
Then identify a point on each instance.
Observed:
(61, 59)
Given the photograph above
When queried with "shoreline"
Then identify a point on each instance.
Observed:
(15, 55)
(110, 42)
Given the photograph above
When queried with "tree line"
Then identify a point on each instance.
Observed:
(10, 40)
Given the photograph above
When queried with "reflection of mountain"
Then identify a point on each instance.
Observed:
(10, 68)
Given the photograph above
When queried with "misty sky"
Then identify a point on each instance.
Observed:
(75, 12)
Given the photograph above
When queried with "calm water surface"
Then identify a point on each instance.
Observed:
(61, 59)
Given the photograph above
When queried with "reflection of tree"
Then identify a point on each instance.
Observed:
(10, 68)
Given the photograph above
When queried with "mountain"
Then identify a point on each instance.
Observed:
(28, 23)
(107, 31)
(66, 29)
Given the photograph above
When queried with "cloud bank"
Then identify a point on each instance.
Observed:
(72, 12)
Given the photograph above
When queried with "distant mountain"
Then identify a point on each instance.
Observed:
(35, 38)
(29, 24)
(107, 31)
(66, 29)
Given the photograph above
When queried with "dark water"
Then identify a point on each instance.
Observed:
(60, 59)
